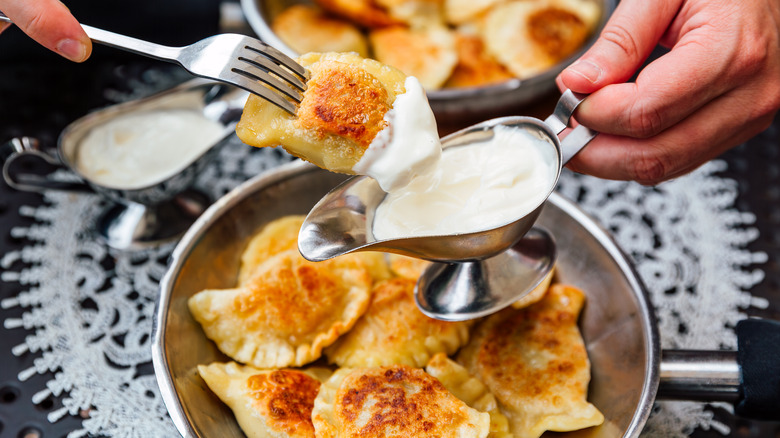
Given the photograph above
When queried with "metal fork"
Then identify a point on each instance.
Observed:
(235, 59)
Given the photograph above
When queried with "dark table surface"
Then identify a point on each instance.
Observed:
(41, 93)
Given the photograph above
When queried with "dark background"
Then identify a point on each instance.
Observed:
(40, 93)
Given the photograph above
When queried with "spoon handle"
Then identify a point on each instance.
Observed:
(577, 139)
(559, 120)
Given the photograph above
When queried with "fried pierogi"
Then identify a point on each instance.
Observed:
(394, 401)
(435, 48)
(462, 11)
(394, 331)
(537, 293)
(281, 235)
(415, 13)
(529, 37)
(287, 312)
(425, 38)
(270, 403)
(475, 67)
(277, 236)
(307, 28)
(341, 113)
(408, 267)
(471, 390)
(534, 361)
(364, 12)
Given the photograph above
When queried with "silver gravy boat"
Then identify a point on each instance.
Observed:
(139, 217)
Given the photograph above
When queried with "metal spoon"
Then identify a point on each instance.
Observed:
(341, 223)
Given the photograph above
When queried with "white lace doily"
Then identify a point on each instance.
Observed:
(89, 310)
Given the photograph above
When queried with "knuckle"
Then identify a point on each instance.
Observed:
(774, 104)
(764, 86)
(35, 25)
(768, 104)
(621, 37)
(754, 54)
(649, 168)
(644, 121)
(757, 51)
(772, 86)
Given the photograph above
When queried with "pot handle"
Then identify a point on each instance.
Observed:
(759, 358)
(748, 377)
(18, 173)
(560, 119)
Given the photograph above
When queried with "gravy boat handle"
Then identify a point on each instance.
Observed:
(578, 137)
(20, 150)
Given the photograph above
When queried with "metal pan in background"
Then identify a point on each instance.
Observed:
(454, 107)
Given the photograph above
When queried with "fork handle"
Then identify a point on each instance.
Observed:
(131, 44)
(124, 42)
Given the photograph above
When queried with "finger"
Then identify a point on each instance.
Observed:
(694, 141)
(4, 26)
(50, 23)
(627, 39)
(701, 66)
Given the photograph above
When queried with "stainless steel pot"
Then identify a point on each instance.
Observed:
(618, 323)
(454, 107)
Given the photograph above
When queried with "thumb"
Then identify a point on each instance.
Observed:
(51, 24)
(626, 41)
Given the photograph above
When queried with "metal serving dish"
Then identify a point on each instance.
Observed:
(454, 106)
(617, 323)
(140, 217)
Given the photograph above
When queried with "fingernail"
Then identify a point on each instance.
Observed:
(587, 69)
(72, 49)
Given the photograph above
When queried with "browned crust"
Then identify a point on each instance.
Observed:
(475, 65)
(392, 408)
(363, 12)
(308, 28)
(294, 297)
(557, 31)
(285, 398)
(428, 54)
(346, 101)
(543, 326)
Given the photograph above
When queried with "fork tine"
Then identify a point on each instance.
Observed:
(265, 77)
(270, 52)
(260, 64)
(253, 86)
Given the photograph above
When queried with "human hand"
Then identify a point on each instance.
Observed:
(50, 23)
(717, 87)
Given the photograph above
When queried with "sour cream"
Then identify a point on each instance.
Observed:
(472, 188)
(408, 146)
(140, 149)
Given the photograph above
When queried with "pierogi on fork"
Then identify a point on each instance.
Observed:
(342, 111)
(332, 363)
(357, 116)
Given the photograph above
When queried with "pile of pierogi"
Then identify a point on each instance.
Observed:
(339, 349)
(445, 43)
